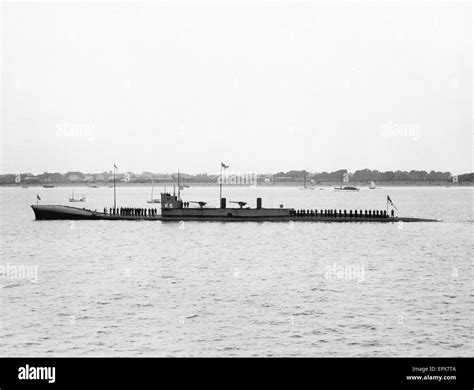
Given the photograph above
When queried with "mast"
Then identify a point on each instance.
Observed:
(115, 192)
(220, 182)
(220, 187)
(151, 188)
(179, 188)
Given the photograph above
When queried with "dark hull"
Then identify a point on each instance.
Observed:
(62, 212)
(46, 212)
(300, 219)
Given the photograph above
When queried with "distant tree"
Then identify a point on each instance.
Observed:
(376, 175)
(466, 177)
(363, 175)
(389, 175)
(402, 175)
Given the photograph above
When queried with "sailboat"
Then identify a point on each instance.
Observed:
(83, 199)
(151, 198)
(345, 188)
(372, 186)
(304, 185)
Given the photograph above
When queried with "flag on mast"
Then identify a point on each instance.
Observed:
(115, 166)
(38, 197)
(224, 166)
(389, 201)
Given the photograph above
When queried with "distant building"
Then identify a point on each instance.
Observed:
(283, 178)
(163, 178)
(73, 178)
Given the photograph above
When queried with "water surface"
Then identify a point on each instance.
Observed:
(121, 288)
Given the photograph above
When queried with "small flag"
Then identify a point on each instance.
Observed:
(115, 166)
(224, 166)
(38, 197)
(389, 201)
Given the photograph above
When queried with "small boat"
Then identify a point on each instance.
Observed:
(24, 187)
(372, 186)
(48, 186)
(94, 186)
(151, 198)
(304, 185)
(83, 199)
(346, 188)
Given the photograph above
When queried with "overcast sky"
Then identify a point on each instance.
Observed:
(262, 87)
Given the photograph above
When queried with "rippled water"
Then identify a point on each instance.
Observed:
(115, 288)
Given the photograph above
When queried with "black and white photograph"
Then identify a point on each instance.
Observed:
(236, 179)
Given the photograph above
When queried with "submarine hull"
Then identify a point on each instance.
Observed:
(58, 212)
(48, 212)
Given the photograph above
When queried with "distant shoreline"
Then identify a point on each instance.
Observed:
(281, 184)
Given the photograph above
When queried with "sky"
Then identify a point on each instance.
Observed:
(262, 87)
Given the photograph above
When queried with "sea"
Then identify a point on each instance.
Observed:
(141, 288)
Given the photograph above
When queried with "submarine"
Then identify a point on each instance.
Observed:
(174, 209)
